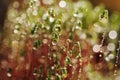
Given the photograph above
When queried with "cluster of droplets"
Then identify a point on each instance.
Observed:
(36, 22)
(116, 60)
(74, 57)
(103, 18)
(107, 52)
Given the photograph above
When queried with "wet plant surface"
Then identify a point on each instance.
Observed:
(60, 40)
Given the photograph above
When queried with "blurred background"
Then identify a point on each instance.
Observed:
(3, 10)
(112, 5)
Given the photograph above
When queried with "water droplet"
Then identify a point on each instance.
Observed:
(45, 16)
(115, 65)
(35, 12)
(83, 36)
(62, 4)
(51, 19)
(111, 56)
(16, 31)
(57, 28)
(74, 61)
(75, 15)
(96, 48)
(29, 10)
(16, 4)
(77, 27)
(35, 71)
(23, 16)
(54, 42)
(80, 15)
(9, 74)
(97, 28)
(99, 57)
(16, 26)
(52, 67)
(112, 34)
(45, 41)
(34, 74)
(33, 3)
(104, 16)
(107, 59)
(51, 12)
(80, 70)
(34, 48)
